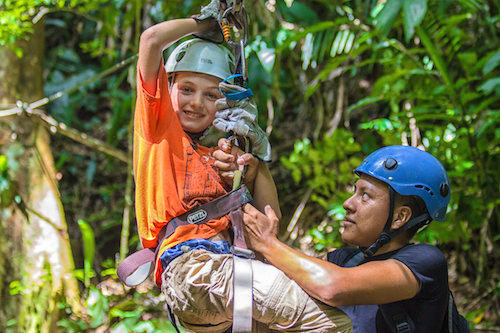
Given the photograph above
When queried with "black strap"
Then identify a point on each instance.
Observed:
(355, 259)
(396, 317)
(450, 313)
(171, 317)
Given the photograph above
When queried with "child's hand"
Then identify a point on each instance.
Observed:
(211, 12)
(227, 162)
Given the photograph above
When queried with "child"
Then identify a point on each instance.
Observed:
(174, 173)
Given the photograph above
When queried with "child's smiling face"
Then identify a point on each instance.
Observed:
(193, 98)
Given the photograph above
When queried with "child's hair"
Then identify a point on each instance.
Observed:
(199, 56)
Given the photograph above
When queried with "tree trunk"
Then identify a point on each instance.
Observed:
(34, 245)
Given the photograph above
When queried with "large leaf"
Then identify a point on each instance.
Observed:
(414, 11)
(492, 63)
(297, 12)
(387, 15)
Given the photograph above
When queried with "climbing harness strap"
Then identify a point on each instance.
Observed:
(135, 268)
(242, 264)
(242, 294)
(242, 276)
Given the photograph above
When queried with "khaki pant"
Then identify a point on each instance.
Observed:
(198, 286)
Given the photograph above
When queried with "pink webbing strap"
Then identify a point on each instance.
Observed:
(237, 222)
(135, 268)
(239, 247)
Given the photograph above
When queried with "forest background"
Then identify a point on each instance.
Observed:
(334, 80)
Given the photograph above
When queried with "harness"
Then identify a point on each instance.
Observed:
(136, 268)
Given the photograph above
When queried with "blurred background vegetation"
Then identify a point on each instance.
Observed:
(334, 80)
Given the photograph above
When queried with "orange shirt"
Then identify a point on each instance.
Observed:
(172, 175)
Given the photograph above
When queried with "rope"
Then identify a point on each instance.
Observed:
(25, 107)
(56, 126)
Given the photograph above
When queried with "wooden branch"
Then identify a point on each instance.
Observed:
(54, 126)
(334, 123)
(270, 116)
(297, 213)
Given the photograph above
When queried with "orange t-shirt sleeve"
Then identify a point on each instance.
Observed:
(153, 114)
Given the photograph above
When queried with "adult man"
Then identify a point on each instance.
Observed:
(399, 190)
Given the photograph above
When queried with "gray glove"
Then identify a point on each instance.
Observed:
(236, 17)
(241, 117)
(211, 11)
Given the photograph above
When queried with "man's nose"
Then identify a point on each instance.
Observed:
(348, 204)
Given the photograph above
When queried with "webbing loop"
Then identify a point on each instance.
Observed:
(239, 95)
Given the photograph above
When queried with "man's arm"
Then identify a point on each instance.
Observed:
(371, 283)
(157, 38)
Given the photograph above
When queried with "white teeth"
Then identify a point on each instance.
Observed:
(193, 114)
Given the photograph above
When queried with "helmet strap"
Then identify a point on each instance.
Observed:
(386, 235)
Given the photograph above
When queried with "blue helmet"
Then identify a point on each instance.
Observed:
(411, 171)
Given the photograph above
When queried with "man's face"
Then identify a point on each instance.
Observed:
(366, 212)
(193, 99)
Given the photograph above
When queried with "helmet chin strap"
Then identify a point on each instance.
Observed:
(386, 235)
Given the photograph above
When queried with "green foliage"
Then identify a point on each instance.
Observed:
(117, 314)
(326, 168)
(88, 250)
(7, 187)
(420, 72)
(17, 17)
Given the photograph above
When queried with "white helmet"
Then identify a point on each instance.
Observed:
(199, 56)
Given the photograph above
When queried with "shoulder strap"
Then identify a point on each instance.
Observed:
(397, 318)
(450, 313)
(454, 322)
(354, 259)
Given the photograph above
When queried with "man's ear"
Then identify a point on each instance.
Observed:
(402, 214)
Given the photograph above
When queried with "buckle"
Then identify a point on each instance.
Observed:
(243, 253)
(403, 327)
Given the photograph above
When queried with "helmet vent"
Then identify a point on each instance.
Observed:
(444, 189)
(390, 164)
(425, 188)
(180, 55)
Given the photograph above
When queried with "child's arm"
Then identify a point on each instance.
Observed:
(257, 178)
(265, 190)
(157, 38)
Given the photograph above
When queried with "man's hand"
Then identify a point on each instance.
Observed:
(236, 159)
(260, 229)
(240, 116)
